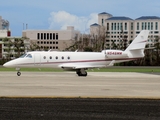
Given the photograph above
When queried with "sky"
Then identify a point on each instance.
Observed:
(58, 14)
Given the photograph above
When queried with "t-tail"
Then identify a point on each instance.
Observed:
(136, 48)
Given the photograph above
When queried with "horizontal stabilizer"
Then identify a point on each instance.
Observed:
(149, 48)
(137, 49)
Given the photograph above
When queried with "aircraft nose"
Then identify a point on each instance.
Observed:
(6, 65)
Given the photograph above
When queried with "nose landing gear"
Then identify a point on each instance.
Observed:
(18, 72)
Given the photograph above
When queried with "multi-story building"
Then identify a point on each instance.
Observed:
(119, 28)
(4, 32)
(52, 39)
(7, 50)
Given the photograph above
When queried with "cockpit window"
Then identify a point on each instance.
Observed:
(23, 56)
(29, 56)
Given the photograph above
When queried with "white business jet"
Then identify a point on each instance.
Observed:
(81, 61)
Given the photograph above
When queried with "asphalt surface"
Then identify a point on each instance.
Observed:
(61, 96)
(68, 84)
(79, 109)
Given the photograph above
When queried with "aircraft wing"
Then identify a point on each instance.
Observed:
(76, 66)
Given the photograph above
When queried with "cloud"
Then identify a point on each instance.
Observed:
(62, 19)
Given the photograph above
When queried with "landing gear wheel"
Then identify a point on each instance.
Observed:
(18, 73)
(79, 73)
(85, 74)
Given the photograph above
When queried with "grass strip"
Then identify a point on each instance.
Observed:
(108, 69)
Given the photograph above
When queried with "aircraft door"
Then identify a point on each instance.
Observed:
(37, 60)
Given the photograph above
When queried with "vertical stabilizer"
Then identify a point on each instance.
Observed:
(136, 48)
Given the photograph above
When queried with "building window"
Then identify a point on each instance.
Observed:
(142, 25)
(156, 32)
(121, 26)
(145, 25)
(47, 36)
(50, 36)
(56, 47)
(151, 25)
(132, 26)
(56, 36)
(156, 26)
(44, 35)
(107, 26)
(118, 26)
(56, 42)
(148, 25)
(112, 26)
(41, 36)
(102, 22)
(125, 26)
(53, 36)
(38, 36)
(137, 26)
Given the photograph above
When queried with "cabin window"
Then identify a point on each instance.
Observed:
(50, 57)
(23, 56)
(68, 57)
(44, 57)
(56, 57)
(29, 56)
(62, 57)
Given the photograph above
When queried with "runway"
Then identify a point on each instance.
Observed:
(69, 85)
(64, 95)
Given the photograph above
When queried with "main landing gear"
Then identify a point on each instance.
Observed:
(18, 72)
(81, 72)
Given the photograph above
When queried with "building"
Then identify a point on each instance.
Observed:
(120, 28)
(6, 50)
(4, 32)
(52, 39)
